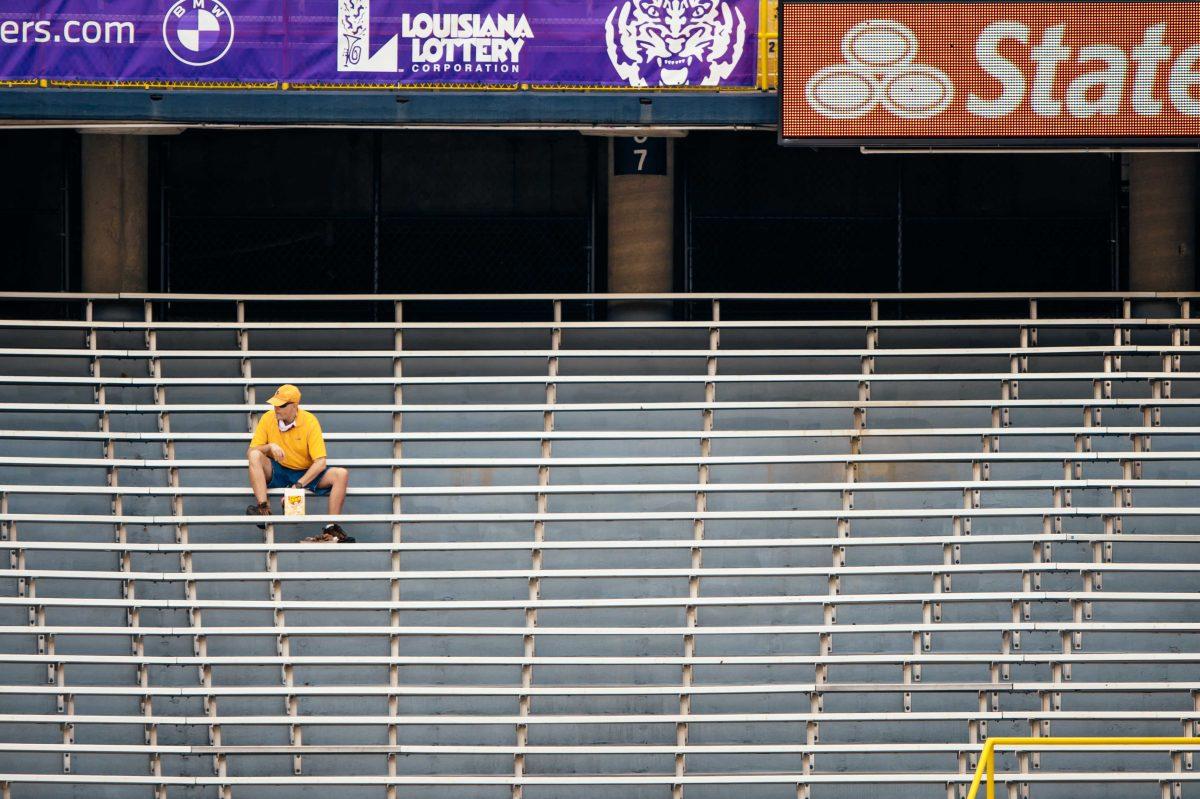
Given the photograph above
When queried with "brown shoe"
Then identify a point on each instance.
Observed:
(260, 509)
(332, 534)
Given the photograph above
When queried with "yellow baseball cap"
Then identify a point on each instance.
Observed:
(285, 394)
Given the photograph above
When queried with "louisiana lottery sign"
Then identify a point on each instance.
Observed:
(1025, 72)
(634, 44)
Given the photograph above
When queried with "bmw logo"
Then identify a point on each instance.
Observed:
(198, 32)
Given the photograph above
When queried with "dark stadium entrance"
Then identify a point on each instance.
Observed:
(438, 211)
(836, 220)
(338, 211)
(39, 211)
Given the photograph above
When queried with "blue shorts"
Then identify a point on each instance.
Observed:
(283, 477)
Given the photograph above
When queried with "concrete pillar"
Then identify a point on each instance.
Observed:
(1162, 221)
(641, 223)
(115, 211)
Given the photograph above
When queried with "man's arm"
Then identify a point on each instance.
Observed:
(272, 451)
(316, 451)
(307, 478)
(259, 443)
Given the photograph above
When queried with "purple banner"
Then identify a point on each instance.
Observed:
(631, 43)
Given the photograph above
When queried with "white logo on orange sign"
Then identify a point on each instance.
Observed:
(879, 70)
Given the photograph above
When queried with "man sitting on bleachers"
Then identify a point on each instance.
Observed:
(288, 451)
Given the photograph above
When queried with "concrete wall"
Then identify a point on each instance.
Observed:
(116, 217)
(1162, 221)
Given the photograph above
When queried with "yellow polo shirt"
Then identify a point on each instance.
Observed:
(302, 444)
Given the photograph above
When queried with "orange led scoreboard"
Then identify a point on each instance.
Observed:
(1023, 73)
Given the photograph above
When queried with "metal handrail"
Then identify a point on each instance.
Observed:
(987, 761)
(883, 296)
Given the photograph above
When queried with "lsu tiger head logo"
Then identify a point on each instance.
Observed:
(675, 42)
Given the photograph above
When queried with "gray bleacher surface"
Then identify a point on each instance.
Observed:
(786, 557)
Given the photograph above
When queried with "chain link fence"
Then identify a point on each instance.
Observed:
(519, 255)
(294, 255)
(363, 223)
(763, 218)
(39, 223)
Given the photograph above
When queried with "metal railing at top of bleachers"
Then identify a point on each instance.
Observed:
(469, 380)
(868, 309)
(811, 296)
(1163, 331)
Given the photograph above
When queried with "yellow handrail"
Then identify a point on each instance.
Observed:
(768, 44)
(987, 760)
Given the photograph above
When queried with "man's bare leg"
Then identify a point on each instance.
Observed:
(336, 478)
(260, 475)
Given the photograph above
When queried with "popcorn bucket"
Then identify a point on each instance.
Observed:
(293, 502)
